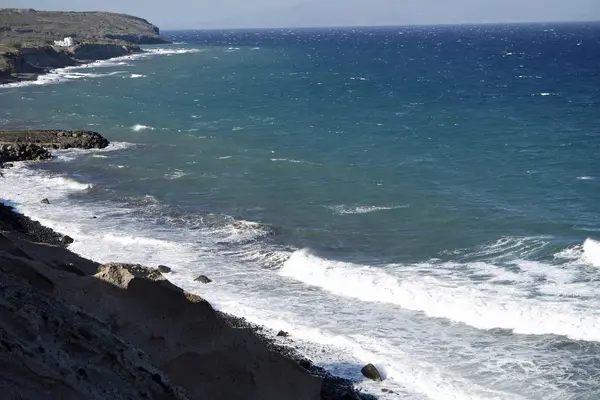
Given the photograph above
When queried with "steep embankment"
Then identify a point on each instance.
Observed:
(72, 328)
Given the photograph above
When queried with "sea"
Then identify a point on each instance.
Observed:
(426, 199)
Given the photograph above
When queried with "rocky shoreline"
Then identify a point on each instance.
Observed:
(68, 321)
(27, 64)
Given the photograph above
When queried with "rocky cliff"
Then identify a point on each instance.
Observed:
(26, 63)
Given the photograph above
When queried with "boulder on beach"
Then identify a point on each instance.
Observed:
(163, 269)
(67, 239)
(283, 334)
(203, 279)
(371, 372)
(45, 201)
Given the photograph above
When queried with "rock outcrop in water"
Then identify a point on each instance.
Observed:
(33, 145)
(71, 328)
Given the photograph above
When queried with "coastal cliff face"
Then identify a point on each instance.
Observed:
(71, 328)
(102, 51)
(25, 63)
(43, 27)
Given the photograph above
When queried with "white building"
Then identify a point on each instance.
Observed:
(66, 42)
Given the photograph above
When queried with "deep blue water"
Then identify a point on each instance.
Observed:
(426, 198)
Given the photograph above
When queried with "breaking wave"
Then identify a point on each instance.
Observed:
(140, 127)
(483, 304)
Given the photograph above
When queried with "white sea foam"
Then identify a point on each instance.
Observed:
(290, 160)
(137, 240)
(481, 305)
(176, 174)
(137, 76)
(167, 51)
(61, 75)
(239, 231)
(344, 209)
(140, 127)
(591, 252)
(585, 178)
(71, 154)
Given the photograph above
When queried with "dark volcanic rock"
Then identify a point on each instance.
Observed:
(23, 152)
(45, 201)
(53, 139)
(163, 269)
(203, 279)
(283, 334)
(371, 372)
(30, 229)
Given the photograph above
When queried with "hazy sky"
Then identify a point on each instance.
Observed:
(292, 13)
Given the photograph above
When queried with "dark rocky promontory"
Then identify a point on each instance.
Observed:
(33, 145)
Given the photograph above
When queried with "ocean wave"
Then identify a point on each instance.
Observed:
(71, 154)
(585, 178)
(482, 305)
(591, 252)
(504, 249)
(140, 127)
(587, 253)
(133, 76)
(343, 209)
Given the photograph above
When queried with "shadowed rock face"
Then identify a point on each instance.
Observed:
(43, 27)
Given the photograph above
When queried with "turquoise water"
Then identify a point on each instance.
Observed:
(421, 198)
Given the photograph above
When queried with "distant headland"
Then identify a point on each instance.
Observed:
(34, 42)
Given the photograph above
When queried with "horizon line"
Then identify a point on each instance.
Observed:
(448, 24)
